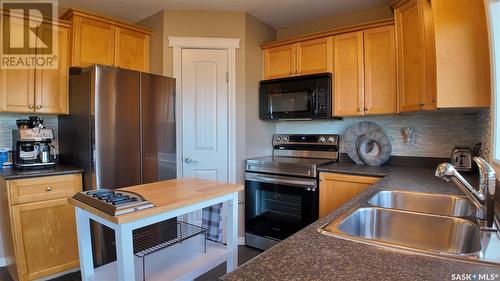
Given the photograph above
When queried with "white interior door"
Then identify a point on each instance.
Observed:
(204, 89)
(204, 114)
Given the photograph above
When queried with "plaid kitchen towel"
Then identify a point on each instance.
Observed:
(212, 221)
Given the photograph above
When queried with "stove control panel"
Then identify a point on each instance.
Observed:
(332, 139)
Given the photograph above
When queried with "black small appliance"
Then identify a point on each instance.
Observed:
(305, 97)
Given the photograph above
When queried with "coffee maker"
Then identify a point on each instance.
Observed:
(31, 144)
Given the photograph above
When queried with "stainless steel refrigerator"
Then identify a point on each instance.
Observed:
(121, 131)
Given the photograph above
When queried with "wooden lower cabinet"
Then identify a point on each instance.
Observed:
(336, 189)
(43, 233)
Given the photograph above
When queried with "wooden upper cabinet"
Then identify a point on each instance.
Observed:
(93, 42)
(38, 90)
(132, 49)
(411, 56)
(101, 40)
(462, 53)
(314, 56)
(51, 88)
(336, 189)
(18, 90)
(348, 74)
(443, 54)
(305, 57)
(279, 61)
(380, 70)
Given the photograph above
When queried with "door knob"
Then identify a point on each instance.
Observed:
(38, 107)
(188, 160)
(31, 106)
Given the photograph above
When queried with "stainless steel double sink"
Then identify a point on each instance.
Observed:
(434, 224)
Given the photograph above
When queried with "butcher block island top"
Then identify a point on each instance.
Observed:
(166, 196)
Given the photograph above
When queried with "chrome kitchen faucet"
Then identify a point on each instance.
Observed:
(482, 198)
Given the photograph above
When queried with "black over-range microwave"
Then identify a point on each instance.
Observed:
(296, 98)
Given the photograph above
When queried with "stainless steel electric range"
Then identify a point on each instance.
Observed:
(281, 191)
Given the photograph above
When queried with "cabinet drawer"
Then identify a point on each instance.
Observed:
(44, 188)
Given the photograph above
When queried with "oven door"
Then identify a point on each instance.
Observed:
(279, 206)
(287, 99)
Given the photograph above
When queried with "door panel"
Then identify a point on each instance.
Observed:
(314, 56)
(336, 189)
(51, 91)
(18, 90)
(158, 128)
(380, 70)
(45, 237)
(132, 49)
(348, 74)
(94, 42)
(17, 85)
(204, 114)
(117, 129)
(279, 61)
(411, 57)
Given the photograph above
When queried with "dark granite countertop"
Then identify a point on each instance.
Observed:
(309, 255)
(59, 169)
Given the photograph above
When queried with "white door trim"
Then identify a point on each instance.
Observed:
(229, 44)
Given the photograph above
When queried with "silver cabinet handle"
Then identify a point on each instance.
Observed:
(38, 107)
(31, 106)
(48, 188)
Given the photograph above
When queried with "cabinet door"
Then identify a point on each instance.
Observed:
(380, 70)
(411, 56)
(314, 56)
(463, 61)
(51, 90)
(93, 42)
(336, 189)
(18, 90)
(348, 74)
(132, 49)
(45, 238)
(279, 61)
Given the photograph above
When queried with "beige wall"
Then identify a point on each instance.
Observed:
(155, 23)
(259, 133)
(335, 21)
(205, 24)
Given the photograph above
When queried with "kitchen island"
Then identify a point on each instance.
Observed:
(309, 255)
(171, 198)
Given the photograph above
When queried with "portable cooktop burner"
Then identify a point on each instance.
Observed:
(113, 202)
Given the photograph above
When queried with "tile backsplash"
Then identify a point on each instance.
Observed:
(8, 123)
(436, 133)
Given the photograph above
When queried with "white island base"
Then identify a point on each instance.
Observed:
(183, 261)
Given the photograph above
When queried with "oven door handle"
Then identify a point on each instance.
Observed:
(305, 183)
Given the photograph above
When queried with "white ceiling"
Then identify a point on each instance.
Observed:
(277, 13)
